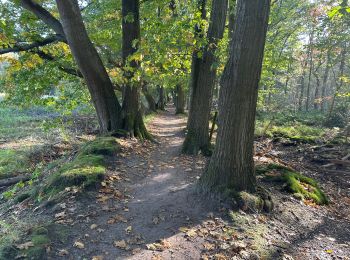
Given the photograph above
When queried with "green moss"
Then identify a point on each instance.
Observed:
(295, 183)
(83, 171)
(13, 162)
(99, 146)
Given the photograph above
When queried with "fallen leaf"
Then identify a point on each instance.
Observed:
(79, 245)
(121, 244)
(97, 257)
(329, 251)
(93, 226)
(62, 252)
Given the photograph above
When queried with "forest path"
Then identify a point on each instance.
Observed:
(157, 200)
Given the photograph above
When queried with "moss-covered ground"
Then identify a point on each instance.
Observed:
(299, 185)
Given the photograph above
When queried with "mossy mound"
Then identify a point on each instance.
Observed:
(100, 146)
(87, 169)
(301, 186)
(35, 243)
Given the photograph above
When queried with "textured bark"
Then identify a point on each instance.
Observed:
(90, 65)
(231, 166)
(202, 82)
(179, 100)
(46, 17)
(131, 108)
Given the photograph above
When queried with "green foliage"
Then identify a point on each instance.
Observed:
(294, 182)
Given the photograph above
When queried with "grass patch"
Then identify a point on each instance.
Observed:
(14, 162)
(299, 185)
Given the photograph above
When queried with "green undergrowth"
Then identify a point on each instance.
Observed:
(85, 170)
(14, 162)
(299, 185)
(297, 127)
(23, 242)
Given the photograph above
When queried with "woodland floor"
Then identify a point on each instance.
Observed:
(147, 208)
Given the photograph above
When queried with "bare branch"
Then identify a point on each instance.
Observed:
(18, 47)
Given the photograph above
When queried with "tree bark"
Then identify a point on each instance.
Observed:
(341, 77)
(231, 166)
(161, 100)
(311, 42)
(179, 100)
(202, 82)
(99, 84)
(131, 108)
(324, 82)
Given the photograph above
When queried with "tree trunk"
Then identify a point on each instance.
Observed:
(180, 100)
(340, 84)
(131, 109)
(302, 88)
(161, 100)
(324, 82)
(95, 75)
(317, 92)
(310, 70)
(232, 167)
(202, 83)
(150, 100)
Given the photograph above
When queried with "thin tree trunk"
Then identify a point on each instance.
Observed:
(340, 84)
(95, 75)
(202, 82)
(324, 82)
(311, 42)
(161, 100)
(180, 100)
(131, 109)
(232, 167)
(317, 92)
(302, 89)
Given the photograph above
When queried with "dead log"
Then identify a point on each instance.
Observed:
(10, 181)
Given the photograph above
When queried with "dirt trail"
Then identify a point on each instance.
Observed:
(160, 199)
(148, 209)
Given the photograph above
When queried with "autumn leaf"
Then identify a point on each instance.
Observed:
(79, 245)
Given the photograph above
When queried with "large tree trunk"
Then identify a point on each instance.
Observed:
(179, 100)
(95, 75)
(131, 109)
(202, 82)
(232, 167)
